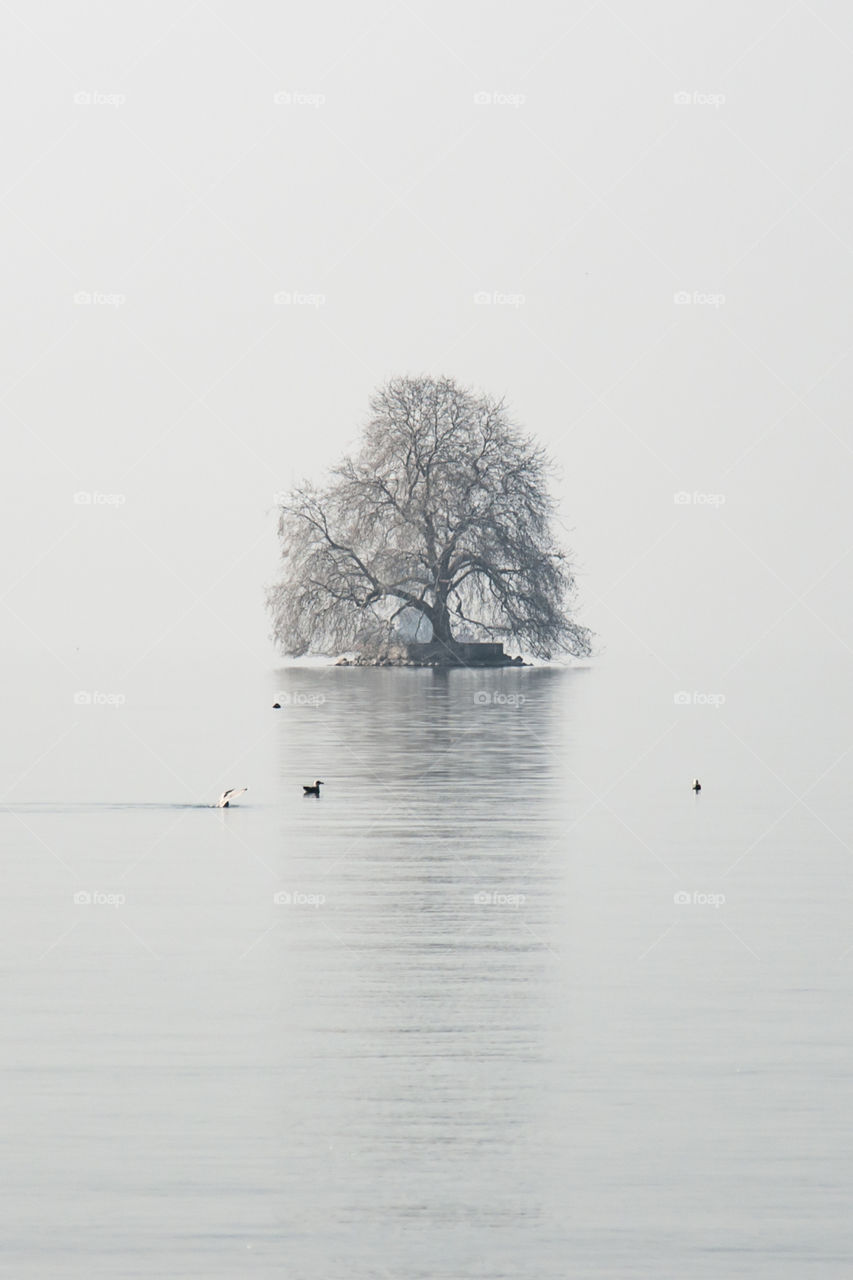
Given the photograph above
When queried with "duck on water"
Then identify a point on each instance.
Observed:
(312, 791)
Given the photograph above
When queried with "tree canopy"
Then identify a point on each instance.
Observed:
(444, 517)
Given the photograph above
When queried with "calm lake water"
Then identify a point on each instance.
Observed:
(507, 1001)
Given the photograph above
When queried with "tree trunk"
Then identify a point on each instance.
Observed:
(441, 632)
(441, 644)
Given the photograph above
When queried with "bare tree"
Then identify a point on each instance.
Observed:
(444, 514)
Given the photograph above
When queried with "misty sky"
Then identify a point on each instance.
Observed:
(171, 168)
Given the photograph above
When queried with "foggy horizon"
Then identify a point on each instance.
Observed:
(583, 199)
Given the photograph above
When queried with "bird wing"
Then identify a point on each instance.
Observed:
(232, 794)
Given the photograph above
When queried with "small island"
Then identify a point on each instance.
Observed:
(429, 654)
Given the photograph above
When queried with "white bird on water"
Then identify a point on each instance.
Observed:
(227, 796)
